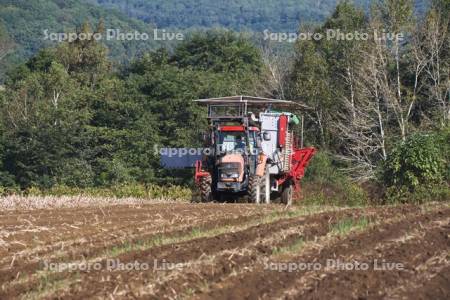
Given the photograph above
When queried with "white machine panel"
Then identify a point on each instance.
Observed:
(269, 123)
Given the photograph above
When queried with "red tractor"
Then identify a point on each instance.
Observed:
(252, 150)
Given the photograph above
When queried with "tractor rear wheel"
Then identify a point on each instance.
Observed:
(287, 193)
(205, 189)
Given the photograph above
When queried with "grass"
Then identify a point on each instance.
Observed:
(132, 190)
(294, 247)
(346, 225)
(189, 292)
(197, 233)
(47, 285)
(18, 202)
(341, 228)
(162, 240)
(62, 196)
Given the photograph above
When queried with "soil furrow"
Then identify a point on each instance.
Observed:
(210, 246)
(224, 251)
(267, 282)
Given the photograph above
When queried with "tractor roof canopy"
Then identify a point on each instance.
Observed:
(234, 107)
(249, 100)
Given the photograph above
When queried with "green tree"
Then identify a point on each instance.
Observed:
(221, 52)
(310, 85)
(42, 122)
(46, 115)
(323, 72)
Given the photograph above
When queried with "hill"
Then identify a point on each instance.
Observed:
(255, 15)
(26, 22)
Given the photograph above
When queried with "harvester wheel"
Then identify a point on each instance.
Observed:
(205, 189)
(287, 193)
(254, 189)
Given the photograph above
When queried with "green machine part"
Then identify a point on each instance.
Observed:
(292, 117)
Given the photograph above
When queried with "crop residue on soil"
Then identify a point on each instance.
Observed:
(225, 251)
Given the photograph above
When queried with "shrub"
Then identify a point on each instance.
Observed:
(322, 169)
(417, 169)
(443, 139)
(342, 193)
(415, 162)
(325, 184)
(421, 194)
(7, 191)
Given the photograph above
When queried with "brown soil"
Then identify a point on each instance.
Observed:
(222, 251)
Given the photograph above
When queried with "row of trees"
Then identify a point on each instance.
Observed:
(69, 116)
(368, 94)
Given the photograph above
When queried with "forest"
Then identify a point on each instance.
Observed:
(25, 22)
(238, 15)
(379, 109)
(250, 15)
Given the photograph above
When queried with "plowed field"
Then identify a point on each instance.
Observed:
(225, 251)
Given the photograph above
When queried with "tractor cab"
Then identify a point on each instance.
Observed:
(236, 139)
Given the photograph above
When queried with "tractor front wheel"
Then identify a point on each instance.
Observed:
(205, 189)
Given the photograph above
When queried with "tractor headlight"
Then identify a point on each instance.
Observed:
(229, 175)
